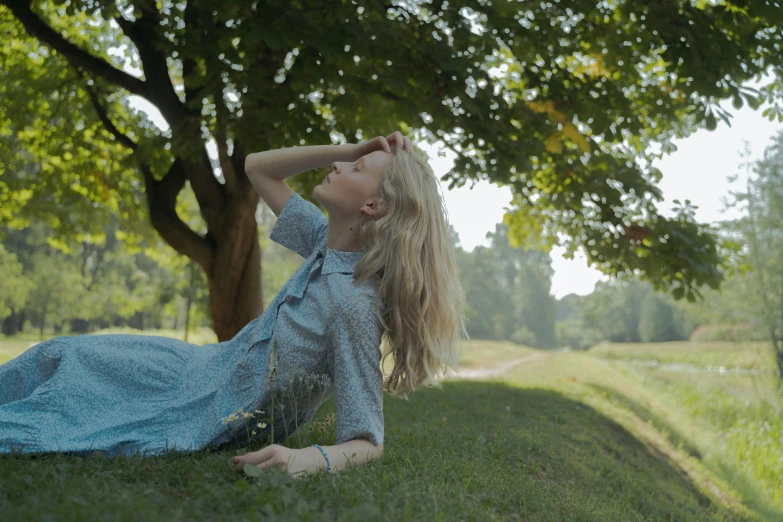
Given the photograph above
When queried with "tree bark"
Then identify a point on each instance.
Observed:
(10, 323)
(43, 323)
(187, 317)
(235, 278)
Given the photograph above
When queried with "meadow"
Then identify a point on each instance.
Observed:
(748, 355)
(567, 436)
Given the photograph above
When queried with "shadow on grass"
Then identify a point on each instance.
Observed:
(471, 451)
(561, 443)
(750, 493)
(646, 415)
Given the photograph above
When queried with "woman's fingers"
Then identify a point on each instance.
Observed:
(255, 458)
(402, 142)
(384, 143)
(396, 138)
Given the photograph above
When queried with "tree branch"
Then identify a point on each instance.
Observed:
(76, 56)
(192, 95)
(156, 70)
(209, 192)
(162, 199)
(238, 160)
(229, 174)
(104, 117)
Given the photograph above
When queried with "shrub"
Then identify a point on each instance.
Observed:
(573, 333)
(524, 336)
(739, 332)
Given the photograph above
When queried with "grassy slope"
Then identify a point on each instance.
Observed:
(566, 437)
(757, 355)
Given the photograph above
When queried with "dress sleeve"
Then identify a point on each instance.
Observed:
(300, 226)
(354, 363)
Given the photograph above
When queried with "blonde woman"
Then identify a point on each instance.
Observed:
(379, 267)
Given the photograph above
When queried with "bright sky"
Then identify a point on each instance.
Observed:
(697, 171)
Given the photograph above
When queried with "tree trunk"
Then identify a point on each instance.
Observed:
(187, 315)
(10, 323)
(43, 322)
(137, 321)
(20, 324)
(778, 341)
(235, 280)
(79, 325)
(229, 253)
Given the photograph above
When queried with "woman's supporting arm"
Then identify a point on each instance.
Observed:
(289, 161)
(357, 451)
(299, 462)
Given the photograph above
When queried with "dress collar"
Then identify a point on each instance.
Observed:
(338, 260)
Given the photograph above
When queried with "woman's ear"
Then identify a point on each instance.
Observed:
(373, 208)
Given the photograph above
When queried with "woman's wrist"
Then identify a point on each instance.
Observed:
(318, 458)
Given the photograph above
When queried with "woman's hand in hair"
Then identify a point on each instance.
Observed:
(365, 147)
(401, 141)
(381, 143)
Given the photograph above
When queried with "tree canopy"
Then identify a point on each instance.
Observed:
(562, 101)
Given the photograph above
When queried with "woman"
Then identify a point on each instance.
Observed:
(380, 265)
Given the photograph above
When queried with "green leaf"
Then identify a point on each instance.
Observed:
(712, 123)
(753, 102)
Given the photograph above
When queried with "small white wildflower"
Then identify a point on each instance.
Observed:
(262, 425)
(254, 432)
(232, 417)
(508, 408)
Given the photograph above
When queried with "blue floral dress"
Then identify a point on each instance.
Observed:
(122, 394)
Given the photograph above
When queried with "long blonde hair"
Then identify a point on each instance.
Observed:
(420, 301)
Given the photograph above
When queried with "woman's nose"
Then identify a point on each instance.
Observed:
(334, 166)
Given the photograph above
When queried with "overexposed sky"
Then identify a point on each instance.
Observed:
(697, 171)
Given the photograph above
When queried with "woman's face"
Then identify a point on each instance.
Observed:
(352, 185)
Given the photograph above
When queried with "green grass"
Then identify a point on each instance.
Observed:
(741, 416)
(758, 355)
(745, 415)
(478, 353)
(12, 346)
(565, 437)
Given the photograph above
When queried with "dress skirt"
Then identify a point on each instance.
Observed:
(126, 394)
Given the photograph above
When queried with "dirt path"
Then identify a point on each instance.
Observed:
(493, 371)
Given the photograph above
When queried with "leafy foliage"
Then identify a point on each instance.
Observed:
(561, 101)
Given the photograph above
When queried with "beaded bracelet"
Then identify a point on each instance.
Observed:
(328, 464)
